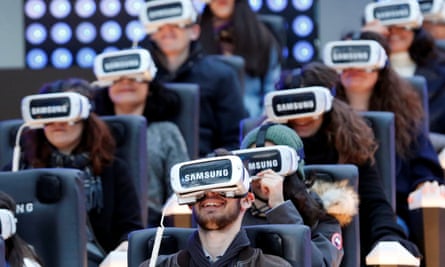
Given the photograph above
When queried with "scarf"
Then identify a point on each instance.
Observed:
(92, 184)
(230, 257)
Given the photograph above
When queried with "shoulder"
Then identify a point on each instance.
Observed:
(261, 259)
(164, 127)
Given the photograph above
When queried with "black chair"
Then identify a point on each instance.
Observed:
(382, 123)
(238, 64)
(130, 133)
(188, 118)
(277, 26)
(351, 233)
(291, 242)
(419, 84)
(50, 213)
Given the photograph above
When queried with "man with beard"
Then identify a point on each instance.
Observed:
(219, 239)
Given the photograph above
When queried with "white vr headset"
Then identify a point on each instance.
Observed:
(157, 13)
(226, 174)
(7, 223)
(40, 109)
(401, 13)
(283, 105)
(360, 54)
(433, 10)
(135, 63)
(281, 159)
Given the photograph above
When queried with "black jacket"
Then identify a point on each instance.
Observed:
(221, 100)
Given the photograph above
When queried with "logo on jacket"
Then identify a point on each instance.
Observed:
(337, 241)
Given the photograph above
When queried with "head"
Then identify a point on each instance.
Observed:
(129, 94)
(218, 212)
(400, 39)
(173, 34)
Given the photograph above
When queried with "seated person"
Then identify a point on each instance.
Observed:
(180, 58)
(133, 91)
(18, 252)
(80, 140)
(219, 239)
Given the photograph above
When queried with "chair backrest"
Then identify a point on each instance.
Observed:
(277, 26)
(50, 213)
(248, 124)
(291, 242)
(351, 233)
(420, 85)
(188, 118)
(2, 253)
(130, 133)
(441, 45)
(238, 64)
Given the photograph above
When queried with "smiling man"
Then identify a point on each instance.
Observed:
(218, 206)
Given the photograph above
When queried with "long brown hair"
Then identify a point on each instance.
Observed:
(251, 38)
(394, 94)
(96, 139)
(352, 137)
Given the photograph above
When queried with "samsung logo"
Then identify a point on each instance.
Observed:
(204, 175)
(164, 13)
(392, 12)
(261, 165)
(49, 110)
(295, 106)
(22, 208)
(121, 64)
(350, 56)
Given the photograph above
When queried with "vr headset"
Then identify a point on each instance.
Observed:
(281, 159)
(157, 13)
(402, 13)
(227, 175)
(360, 54)
(297, 103)
(433, 10)
(133, 63)
(40, 109)
(7, 224)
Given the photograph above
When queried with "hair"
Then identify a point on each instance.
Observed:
(162, 103)
(96, 138)
(251, 39)
(352, 137)
(423, 49)
(16, 248)
(394, 94)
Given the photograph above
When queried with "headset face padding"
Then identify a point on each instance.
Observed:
(7, 223)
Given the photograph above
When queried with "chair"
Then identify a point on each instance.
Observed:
(2, 253)
(237, 63)
(291, 242)
(50, 213)
(277, 26)
(130, 133)
(382, 123)
(351, 233)
(419, 84)
(188, 118)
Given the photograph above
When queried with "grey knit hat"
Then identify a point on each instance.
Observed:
(279, 135)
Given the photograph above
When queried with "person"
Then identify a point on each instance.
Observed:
(139, 95)
(180, 58)
(416, 160)
(220, 239)
(232, 28)
(340, 135)
(18, 252)
(413, 51)
(287, 200)
(87, 144)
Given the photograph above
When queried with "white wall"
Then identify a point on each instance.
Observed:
(11, 34)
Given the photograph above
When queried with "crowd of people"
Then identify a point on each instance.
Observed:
(186, 47)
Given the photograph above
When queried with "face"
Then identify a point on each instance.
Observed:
(437, 30)
(216, 212)
(128, 92)
(222, 9)
(306, 127)
(400, 39)
(359, 80)
(173, 40)
(63, 136)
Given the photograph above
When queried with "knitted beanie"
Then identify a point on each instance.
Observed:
(279, 134)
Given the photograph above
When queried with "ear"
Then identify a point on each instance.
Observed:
(246, 202)
(195, 31)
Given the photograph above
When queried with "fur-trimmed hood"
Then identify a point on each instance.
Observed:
(339, 199)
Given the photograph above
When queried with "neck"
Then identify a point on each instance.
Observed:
(359, 101)
(175, 60)
(218, 22)
(129, 109)
(216, 242)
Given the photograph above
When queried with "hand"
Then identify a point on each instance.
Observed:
(271, 185)
(117, 257)
(376, 26)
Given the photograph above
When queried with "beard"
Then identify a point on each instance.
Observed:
(215, 221)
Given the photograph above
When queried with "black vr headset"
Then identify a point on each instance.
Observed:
(283, 105)
(226, 175)
(401, 13)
